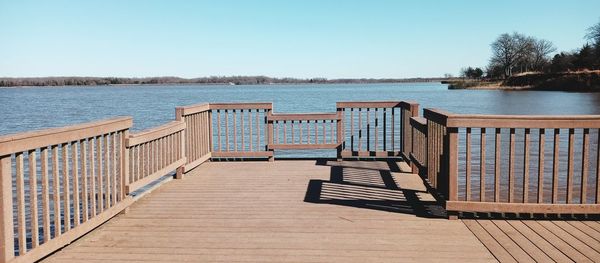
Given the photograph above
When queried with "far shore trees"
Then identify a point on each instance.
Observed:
(471, 73)
(519, 53)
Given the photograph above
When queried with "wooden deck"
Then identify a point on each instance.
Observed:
(539, 240)
(283, 211)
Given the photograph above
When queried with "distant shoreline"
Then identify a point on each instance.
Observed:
(217, 81)
(580, 81)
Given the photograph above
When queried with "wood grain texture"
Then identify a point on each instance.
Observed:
(256, 211)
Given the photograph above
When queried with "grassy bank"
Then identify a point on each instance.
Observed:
(566, 81)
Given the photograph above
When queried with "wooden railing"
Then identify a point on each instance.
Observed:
(155, 153)
(59, 184)
(239, 130)
(197, 139)
(419, 153)
(305, 131)
(70, 179)
(515, 163)
(377, 129)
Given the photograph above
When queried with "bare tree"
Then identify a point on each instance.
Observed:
(540, 55)
(593, 33)
(508, 50)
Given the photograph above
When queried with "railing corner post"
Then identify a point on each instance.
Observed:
(340, 133)
(179, 116)
(269, 136)
(7, 251)
(125, 163)
(452, 163)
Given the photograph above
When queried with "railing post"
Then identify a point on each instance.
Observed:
(210, 131)
(340, 133)
(182, 141)
(124, 164)
(7, 250)
(414, 112)
(269, 135)
(451, 164)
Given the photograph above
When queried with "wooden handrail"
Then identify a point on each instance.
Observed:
(155, 133)
(303, 116)
(375, 104)
(191, 109)
(31, 140)
(512, 121)
(241, 105)
(419, 123)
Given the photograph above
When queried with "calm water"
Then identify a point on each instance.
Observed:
(23, 109)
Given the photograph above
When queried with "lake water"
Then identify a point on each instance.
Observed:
(24, 109)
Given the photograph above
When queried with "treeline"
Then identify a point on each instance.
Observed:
(236, 80)
(518, 53)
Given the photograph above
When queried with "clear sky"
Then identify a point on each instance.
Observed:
(304, 38)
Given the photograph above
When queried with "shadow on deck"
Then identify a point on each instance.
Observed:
(372, 186)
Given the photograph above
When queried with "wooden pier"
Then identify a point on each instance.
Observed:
(96, 192)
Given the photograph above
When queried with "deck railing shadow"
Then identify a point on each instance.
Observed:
(369, 188)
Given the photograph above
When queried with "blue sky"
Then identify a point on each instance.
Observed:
(326, 38)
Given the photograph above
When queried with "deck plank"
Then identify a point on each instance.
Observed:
(580, 246)
(506, 242)
(533, 251)
(283, 211)
(539, 241)
(488, 240)
(561, 245)
(586, 229)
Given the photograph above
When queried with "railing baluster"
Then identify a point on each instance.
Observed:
(114, 170)
(511, 167)
(541, 154)
(393, 129)
(284, 132)
(359, 129)
(526, 168)
(65, 184)
(45, 196)
(598, 167)
(352, 129)
(258, 132)
(497, 166)
(75, 176)
(84, 182)
(468, 165)
(324, 132)
(32, 158)
(242, 129)
(376, 129)
(219, 146)
(584, 166)
(99, 183)
(107, 171)
(7, 250)
(368, 131)
(226, 130)
(555, 166)
(300, 132)
(482, 167)
(570, 167)
(91, 144)
(385, 130)
(235, 146)
(20, 185)
(250, 138)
